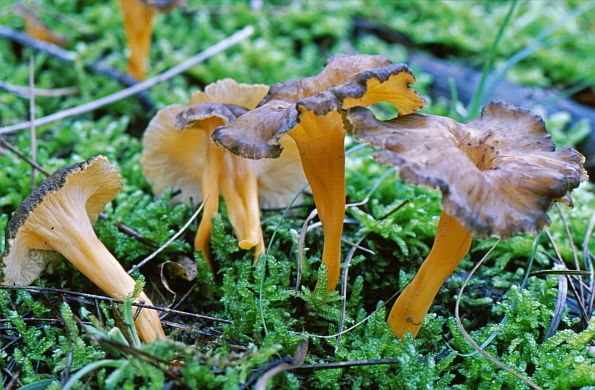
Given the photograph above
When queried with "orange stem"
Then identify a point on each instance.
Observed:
(239, 188)
(450, 246)
(210, 190)
(322, 151)
(139, 27)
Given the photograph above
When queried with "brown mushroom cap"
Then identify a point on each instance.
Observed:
(58, 217)
(345, 82)
(498, 174)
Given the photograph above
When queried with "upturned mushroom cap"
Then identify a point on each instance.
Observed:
(58, 217)
(174, 157)
(498, 174)
(178, 153)
(310, 111)
(26, 253)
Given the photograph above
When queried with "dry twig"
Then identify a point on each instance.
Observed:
(136, 89)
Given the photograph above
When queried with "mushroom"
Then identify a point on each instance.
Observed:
(498, 175)
(138, 18)
(310, 112)
(58, 217)
(178, 153)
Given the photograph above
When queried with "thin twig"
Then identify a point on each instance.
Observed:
(301, 245)
(468, 337)
(59, 53)
(559, 309)
(354, 363)
(11, 147)
(572, 286)
(574, 254)
(172, 239)
(184, 297)
(25, 92)
(372, 190)
(130, 232)
(298, 360)
(15, 378)
(55, 291)
(589, 264)
(32, 118)
(135, 89)
(344, 288)
(361, 322)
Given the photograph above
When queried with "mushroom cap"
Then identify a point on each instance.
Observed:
(229, 91)
(93, 183)
(173, 156)
(345, 82)
(498, 174)
(176, 141)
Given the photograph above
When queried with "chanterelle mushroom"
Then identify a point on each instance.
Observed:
(310, 111)
(178, 153)
(498, 175)
(138, 18)
(59, 217)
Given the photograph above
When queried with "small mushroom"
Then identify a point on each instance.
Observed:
(178, 153)
(498, 174)
(310, 112)
(58, 217)
(138, 25)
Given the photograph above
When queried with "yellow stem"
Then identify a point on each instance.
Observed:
(138, 26)
(239, 188)
(210, 190)
(322, 151)
(84, 250)
(450, 246)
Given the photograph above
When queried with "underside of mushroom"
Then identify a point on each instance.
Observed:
(58, 217)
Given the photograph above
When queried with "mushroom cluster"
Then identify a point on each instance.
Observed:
(498, 174)
(310, 111)
(58, 217)
(178, 153)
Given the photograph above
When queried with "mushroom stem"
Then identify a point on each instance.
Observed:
(138, 26)
(99, 265)
(210, 192)
(450, 246)
(239, 188)
(79, 244)
(322, 151)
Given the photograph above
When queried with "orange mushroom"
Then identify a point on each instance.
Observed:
(310, 112)
(138, 25)
(178, 153)
(498, 175)
(58, 217)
